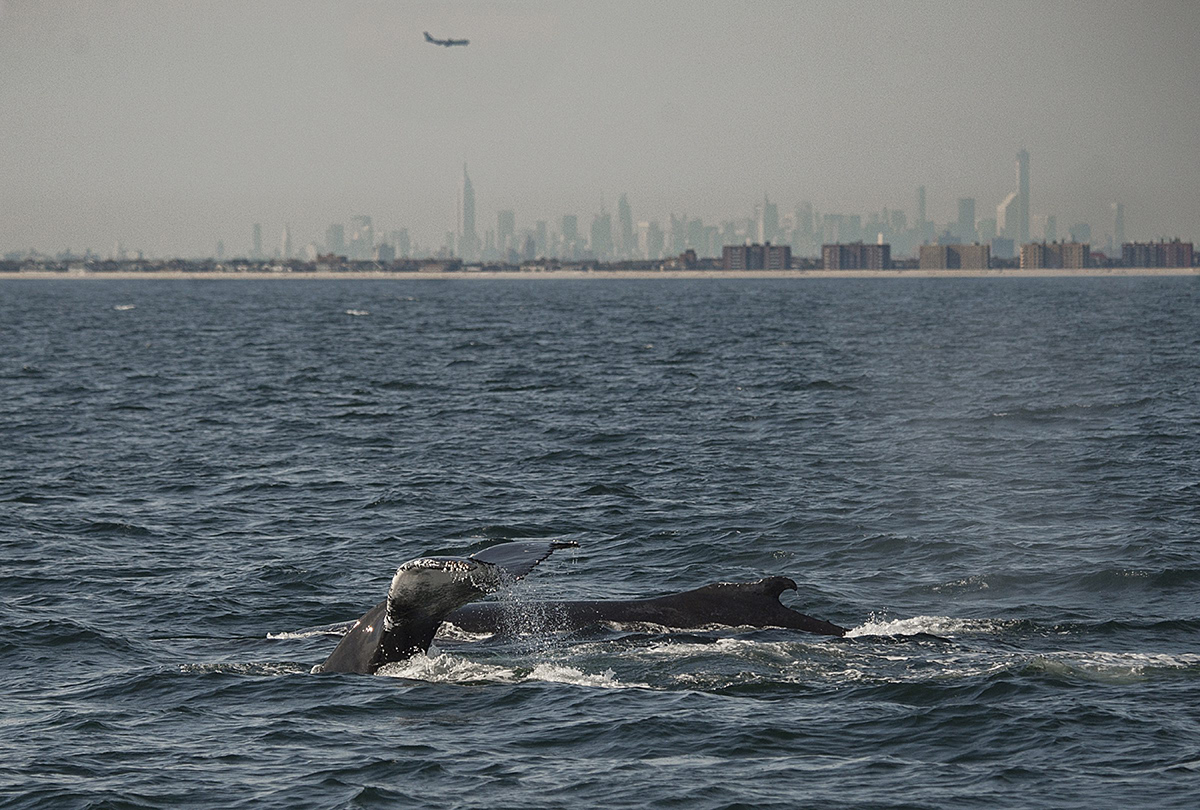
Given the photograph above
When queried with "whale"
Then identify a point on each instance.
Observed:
(729, 604)
(422, 593)
(428, 591)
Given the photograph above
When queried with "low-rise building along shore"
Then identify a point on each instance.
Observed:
(856, 256)
(1055, 255)
(955, 257)
(855, 260)
(1175, 253)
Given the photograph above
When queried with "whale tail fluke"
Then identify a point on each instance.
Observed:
(518, 559)
(422, 593)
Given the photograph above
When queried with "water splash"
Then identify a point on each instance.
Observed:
(448, 668)
(945, 626)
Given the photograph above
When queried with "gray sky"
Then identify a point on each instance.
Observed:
(168, 124)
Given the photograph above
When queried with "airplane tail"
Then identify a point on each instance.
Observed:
(427, 37)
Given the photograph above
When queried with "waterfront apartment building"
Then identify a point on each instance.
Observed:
(756, 257)
(856, 256)
(955, 257)
(1157, 254)
(1055, 255)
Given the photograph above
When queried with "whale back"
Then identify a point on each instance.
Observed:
(745, 604)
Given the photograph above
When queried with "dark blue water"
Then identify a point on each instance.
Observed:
(996, 483)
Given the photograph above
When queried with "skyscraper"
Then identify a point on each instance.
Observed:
(285, 243)
(921, 220)
(335, 239)
(506, 231)
(468, 203)
(468, 242)
(966, 219)
(1022, 234)
(650, 240)
(362, 238)
(570, 235)
(541, 237)
(768, 221)
(1008, 217)
(625, 222)
(399, 240)
(602, 242)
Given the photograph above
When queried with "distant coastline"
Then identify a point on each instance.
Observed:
(286, 275)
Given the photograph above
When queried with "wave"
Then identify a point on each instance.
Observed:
(1106, 579)
(945, 626)
(229, 668)
(1069, 409)
(621, 490)
(447, 668)
(448, 631)
(116, 527)
(1113, 667)
(62, 632)
(400, 385)
(760, 659)
(335, 629)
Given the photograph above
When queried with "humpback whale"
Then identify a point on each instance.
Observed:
(744, 604)
(429, 590)
(423, 592)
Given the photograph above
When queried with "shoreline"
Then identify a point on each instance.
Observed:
(1087, 272)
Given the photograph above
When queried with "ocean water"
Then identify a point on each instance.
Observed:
(994, 482)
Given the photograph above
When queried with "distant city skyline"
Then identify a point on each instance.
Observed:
(168, 127)
(805, 228)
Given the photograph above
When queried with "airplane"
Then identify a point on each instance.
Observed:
(446, 42)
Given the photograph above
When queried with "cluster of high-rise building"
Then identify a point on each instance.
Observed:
(845, 241)
(358, 242)
(804, 231)
(971, 239)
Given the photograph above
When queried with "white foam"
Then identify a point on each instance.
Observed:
(662, 629)
(557, 673)
(731, 647)
(1111, 667)
(446, 668)
(279, 668)
(358, 313)
(934, 625)
(973, 583)
(125, 307)
(448, 631)
(335, 629)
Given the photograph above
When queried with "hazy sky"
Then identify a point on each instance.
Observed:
(168, 124)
